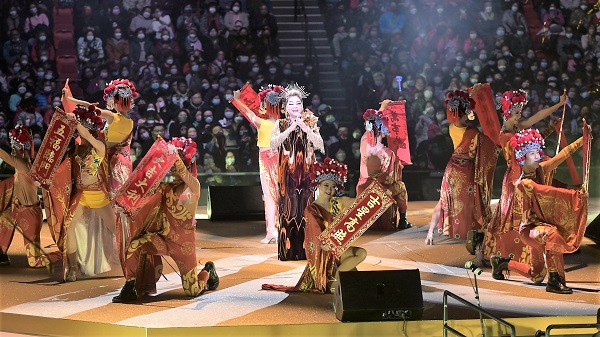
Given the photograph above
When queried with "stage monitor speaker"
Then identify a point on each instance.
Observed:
(382, 295)
(593, 230)
(235, 203)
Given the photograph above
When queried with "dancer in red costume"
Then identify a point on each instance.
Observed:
(502, 236)
(467, 183)
(552, 220)
(378, 162)
(320, 273)
(166, 226)
(19, 202)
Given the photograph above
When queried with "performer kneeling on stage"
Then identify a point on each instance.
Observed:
(553, 219)
(320, 273)
(166, 226)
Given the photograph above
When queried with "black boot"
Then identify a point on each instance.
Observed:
(4, 260)
(213, 278)
(474, 238)
(403, 223)
(499, 264)
(128, 293)
(556, 284)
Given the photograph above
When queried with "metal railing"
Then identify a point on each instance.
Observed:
(474, 307)
(575, 326)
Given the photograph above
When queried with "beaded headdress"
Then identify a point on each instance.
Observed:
(512, 101)
(187, 149)
(525, 141)
(293, 89)
(328, 169)
(21, 140)
(272, 98)
(120, 90)
(459, 103)
(376, 120)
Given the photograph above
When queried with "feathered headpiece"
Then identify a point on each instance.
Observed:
(186, 148)
(272, 99)
(120, 90)
(377, 119)
(525, 141)
(293, 89)
(459, 103)
(21, 140)
(512, 101)
(90, 118)
(328, 169)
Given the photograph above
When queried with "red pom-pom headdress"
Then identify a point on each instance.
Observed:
(458, 104)
(525, 141)
(121, 90)
(21, 140)
(328, 169)
(376, 120)
(186, 148)
(512, 101)
(272, 99)
(89, 117)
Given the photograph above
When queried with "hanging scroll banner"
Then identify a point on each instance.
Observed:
(53, 148)
(398, 139)
(146, 177)
(485, 109)
(249, 97)
(355, 219)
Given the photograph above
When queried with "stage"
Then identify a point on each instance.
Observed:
(36, 303)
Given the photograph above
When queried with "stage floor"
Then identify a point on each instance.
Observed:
(244, 264)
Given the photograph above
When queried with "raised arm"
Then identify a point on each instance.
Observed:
(17, 163)
(524, 124)
(106, 114)
(254, 119)
(97, 144)
(189, 180)
(565, 153)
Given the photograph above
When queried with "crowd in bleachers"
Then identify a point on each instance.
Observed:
(187, 58)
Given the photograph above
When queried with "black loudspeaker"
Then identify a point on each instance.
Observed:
(235, 203)
(593, 230)
(383, 295)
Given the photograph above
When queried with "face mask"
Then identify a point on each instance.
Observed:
(150, 121)
(440, 10)
(169, 61)
(518, 65)
(13, 13)
(116, 11)
(40, 74)
(473, 80)
(488, 9)
(489, 79)
(228, 114)
(216, 101)
(287, 72)
(482, 57)
(43, 58)
(235, 9)
(356, 153)
(571, 94)
(456, 69)
(520, 32)
(182, 119)
(330, 119)
(272, 71)
(576, 55)
(195, 68)
(378, 83)
(473, 36)
(212, 10)
(205, 86)
(146, 15)
(22, 90)
(90, 37)
(238, 119)
(47, 88)
(585, 94)
(118, 36)
(500, 32)
(427, 94)
(543, 65)
(533, 68)
(3, 135)
(173, 71)
(501, 68)
(214, 86)
(166, 38)
(352, 35)
(42, 38)
(437, 80)
(569, 35)
(33, 11)
(555, 99)
(464, 75)
(56, 103)
(155, 86)
(141, 36)
(37, 141)
(506, 53)
(315, 102)
(413, 11)
(514, 8)
(228, 97)
(103, 75)
(145, 135)
(213, 34)
(255, 69)
(340, 157)
(208, 161)
(476, 68)
(27, 122)
(460, 58)
(229, 161)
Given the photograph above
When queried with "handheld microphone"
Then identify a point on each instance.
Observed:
(476, 270)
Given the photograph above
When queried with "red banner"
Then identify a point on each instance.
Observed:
(53, 148)
(355, 219)
(146, 177)
(250, 98)
(485, 108)
(398, 140)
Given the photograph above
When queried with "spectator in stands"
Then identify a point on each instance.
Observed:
(590, 42)
(234, 15)
(116, 47)
(114, 18)
(40, 44)
(90, 49)
(142, 20)
(554, 19)
(392, 21)
(187, 20)
(513, 19)
(161, 21)
(567, 45)
(215, 147)
(217, 43)
(192, 42)
(140, 47)
(579, 20)
(211, 19)
(12, 21)
(13, 48)
(35, 22)
(264, 18)
(473, 44)
(488, 20)
(174, 126)
(85, 21)
(241, 46)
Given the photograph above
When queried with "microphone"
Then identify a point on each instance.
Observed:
(476, 270)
